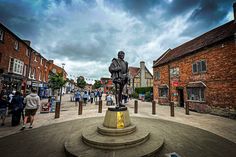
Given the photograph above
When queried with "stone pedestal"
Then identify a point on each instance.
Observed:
(116, 133)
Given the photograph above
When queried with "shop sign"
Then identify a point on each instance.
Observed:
(175, 83)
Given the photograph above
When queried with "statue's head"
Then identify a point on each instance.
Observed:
(121, 55)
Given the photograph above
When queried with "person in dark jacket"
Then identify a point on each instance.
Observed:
(3, 108)
(17, 108)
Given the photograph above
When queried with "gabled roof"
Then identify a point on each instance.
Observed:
(222, 32)
(133, 71)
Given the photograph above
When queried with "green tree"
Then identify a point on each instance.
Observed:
(97, 84)
(81, 82)
(56, 81)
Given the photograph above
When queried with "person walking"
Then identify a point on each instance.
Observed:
(3, 108)
(92, 96)
(32, 104)
(85, 97)
(77, 97)
(17, 108)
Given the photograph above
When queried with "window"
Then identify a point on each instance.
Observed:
(44, 77)
(157, 75)
(27, 52)
(41, 61)
(196, 94)
(39, 75)
(25, 70)
(35, 58)
(16, 66)
(54, 70)
(174, 72)
(32, 73)
(163, 92)
(1, 35)
(16, 45)
(199, 66)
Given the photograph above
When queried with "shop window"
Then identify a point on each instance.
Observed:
(163, 92)
(1, 34)
(196, 94)
(16, 45)
(199, 66)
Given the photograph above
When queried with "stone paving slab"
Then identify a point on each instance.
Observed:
(48, 141)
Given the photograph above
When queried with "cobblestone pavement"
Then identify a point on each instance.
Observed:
(219, 125)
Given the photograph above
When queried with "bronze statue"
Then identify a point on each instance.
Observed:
(119, 74)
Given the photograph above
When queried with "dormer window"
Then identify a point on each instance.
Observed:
(1, 35)
(16, 45)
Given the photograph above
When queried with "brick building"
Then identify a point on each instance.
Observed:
(22, 67)
(140, 77)
(200, 72)
(107, 84)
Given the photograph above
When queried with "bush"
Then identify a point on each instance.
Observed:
(135, 95)
(143, 90)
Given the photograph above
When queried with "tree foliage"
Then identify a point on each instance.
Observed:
(81, 82)
(97, 84)
(56, 81)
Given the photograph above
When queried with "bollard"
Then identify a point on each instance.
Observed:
(100, 106)
(136, 106)
(187, 108)
(153, 107)
(80, 107)
(57, 110)
(172, 112)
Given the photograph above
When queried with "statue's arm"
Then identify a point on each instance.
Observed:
(114, 68)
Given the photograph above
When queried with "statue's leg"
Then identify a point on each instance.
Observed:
(120, 94)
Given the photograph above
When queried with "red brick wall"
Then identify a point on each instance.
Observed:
(219, 77)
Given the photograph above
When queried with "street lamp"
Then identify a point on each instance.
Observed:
(63, 65)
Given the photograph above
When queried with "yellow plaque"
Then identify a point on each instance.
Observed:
(120, 120)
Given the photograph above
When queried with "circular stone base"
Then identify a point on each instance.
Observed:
(92, 138)
(116, 132)
(90, 143)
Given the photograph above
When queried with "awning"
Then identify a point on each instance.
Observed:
(163, 86)
(196, 84)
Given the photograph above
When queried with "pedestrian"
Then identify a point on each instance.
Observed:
(95, 95)
(32, 104)
(77, 97)
(92, 96)
(85, 97)
(100, 95)
(17, 108)
(109, 100)
(3, 108)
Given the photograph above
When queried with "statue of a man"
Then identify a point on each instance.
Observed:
(119, 74)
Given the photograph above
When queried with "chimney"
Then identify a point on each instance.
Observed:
(234, 7)
(142, 74)
(27, 42)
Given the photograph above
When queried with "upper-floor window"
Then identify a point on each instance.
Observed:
(174, 72)
(199, 66)
(54, 70)
(1, 34)
(25, 70)
(35, 58)
(41, 61)
(157, 75)
(40, 75)
(16, 66)
(16, 45)
(27, 53)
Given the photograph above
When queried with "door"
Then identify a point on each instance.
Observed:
(181, 97)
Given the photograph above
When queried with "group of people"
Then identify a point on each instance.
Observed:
(87, 96)
(25, 107)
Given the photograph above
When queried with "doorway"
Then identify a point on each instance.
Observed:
(181, 97)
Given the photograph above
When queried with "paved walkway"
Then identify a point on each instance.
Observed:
(218, 125)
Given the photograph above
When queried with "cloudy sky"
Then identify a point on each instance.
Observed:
(87, 34)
